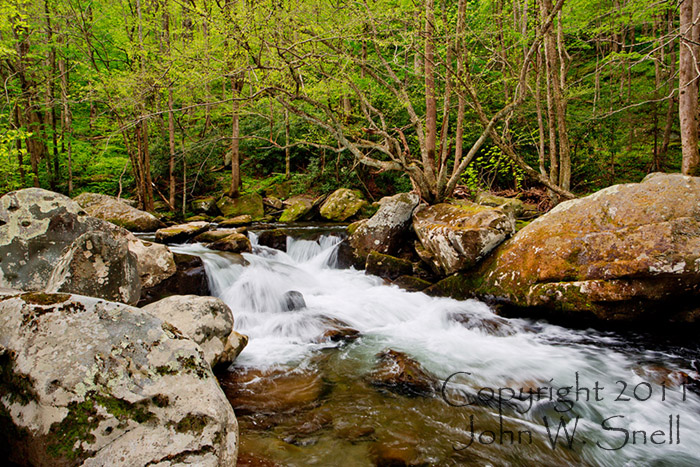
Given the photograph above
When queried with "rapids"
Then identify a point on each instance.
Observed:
(627, 390)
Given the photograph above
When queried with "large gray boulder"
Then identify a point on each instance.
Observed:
(385, 231)
(155, 262)
(94, 383)
(118, 212)
(98, 264)
(35, 227)
(457, 236)
(206, 320)
(621, 254)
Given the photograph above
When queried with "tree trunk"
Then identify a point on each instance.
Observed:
(287, 149)
(67, 121)
(236, 87)
(430, 93)
(688, 85)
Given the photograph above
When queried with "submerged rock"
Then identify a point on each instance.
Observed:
(401, 374)
(206, 320)
(235, 243)
(181, 233)
(90, 382)
(100, 265)
(255, 391)
(294, 300)
(458, 236)
(342, 204)
(118, 212)
(387, 230)
(620, 254)
(250, 204)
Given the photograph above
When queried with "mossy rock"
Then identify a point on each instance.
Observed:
(250, 204)
(297, 208)
(342, 204)
(411, 283)
(235, 243)
(386, 266)
(245, 219)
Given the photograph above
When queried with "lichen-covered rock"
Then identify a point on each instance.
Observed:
(189, 278)
(118, 212)
(100, 265)
(273, 203)
(297, 207)
(386, 266)
(235, 243)
(251, 204)
(235, 343)
(205, 205)
(401, 374)
(181, 233)
(206, 320)
(154, 262)
(385, 232)
(611, 255)
(35, 227)
(90, 382)
(342, 204)
(457, 236)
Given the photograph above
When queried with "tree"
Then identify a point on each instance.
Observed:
(688, 79)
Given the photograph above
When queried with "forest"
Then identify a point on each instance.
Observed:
(168, 100)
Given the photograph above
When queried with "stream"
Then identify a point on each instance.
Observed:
(567, 397)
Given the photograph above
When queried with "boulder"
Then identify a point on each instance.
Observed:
(205, 206)
(35, 227)
(342, 204)
(100, 265)
(154, 262)
(189, 278)
(297, 208)
(198, 218)
(237, 221)
(251, 204)
(235, 343)
(236, 243)
(273, 203)
(118, 212)
(385, 231)
(89, 382)
(458, 236)
(206, 320)
(181, 233)
(625, 253)
(276, 239)
(387, 266)
(399, 373)
(211, 236)
(512, 205)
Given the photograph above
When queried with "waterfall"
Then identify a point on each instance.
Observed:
(448, 336)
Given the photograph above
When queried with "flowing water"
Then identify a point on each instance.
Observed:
(567, 397)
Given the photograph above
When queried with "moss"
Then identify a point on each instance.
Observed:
(18, 387)
(387, 266)
(164, 370)
(66, 438)
(123, 410)
(173, 459)
(192, 423)
(161, 400)
(44, 299)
